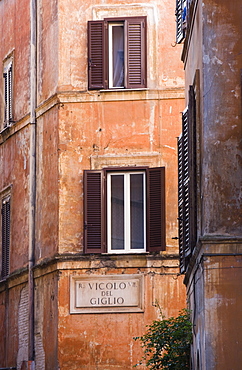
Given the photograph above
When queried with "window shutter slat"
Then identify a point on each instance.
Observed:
(93, 212)
(135, 31)
(156, 240)
(96, 55)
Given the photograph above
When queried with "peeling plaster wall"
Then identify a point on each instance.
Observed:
(124, 129)
(163, 58)
(222, 161)
(14, 176)
(23, 328)
(215, 50)
(46, 320)
(47, 216)
(223, 295)
(215, 299)
(13, 15)
(105, 341)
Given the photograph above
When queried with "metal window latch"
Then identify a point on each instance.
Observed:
(91, 64)
(86, 225)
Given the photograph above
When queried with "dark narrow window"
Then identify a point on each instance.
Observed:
(124, 210)
(8, 93)
(117, 53)
(187, 210)
(5, 236)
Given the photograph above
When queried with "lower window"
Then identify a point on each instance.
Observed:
(124, 210)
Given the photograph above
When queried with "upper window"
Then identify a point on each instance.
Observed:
(5, 211)
(124, 210)
(117, 53)
(8, 92)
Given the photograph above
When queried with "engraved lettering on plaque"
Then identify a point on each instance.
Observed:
(115, 293)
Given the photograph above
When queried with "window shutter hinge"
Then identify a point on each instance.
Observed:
(85, 225)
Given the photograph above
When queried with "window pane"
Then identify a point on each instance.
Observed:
(118, 55)
(137, 211)
(117, 212)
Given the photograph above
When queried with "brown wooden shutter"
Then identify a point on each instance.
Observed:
(5, 76)
(187, 209)
(156, 223)
(181, 203)
(94, 212)
(10, 87)
(192, 168)
(186, 179)
(183, 194)
(5, 236)
(96, 55)
(135, 34)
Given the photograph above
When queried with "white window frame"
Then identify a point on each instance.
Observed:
(127, 244)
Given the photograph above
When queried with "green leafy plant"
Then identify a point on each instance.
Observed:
(167, 343)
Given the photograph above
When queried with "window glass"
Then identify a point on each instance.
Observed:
(118, 56)
(137, 211)
(117, 212)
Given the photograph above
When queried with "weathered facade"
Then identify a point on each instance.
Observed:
(210, 158)
(68, 298)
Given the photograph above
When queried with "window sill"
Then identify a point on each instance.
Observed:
(5, 129)
(122, 90)
(124, 253)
